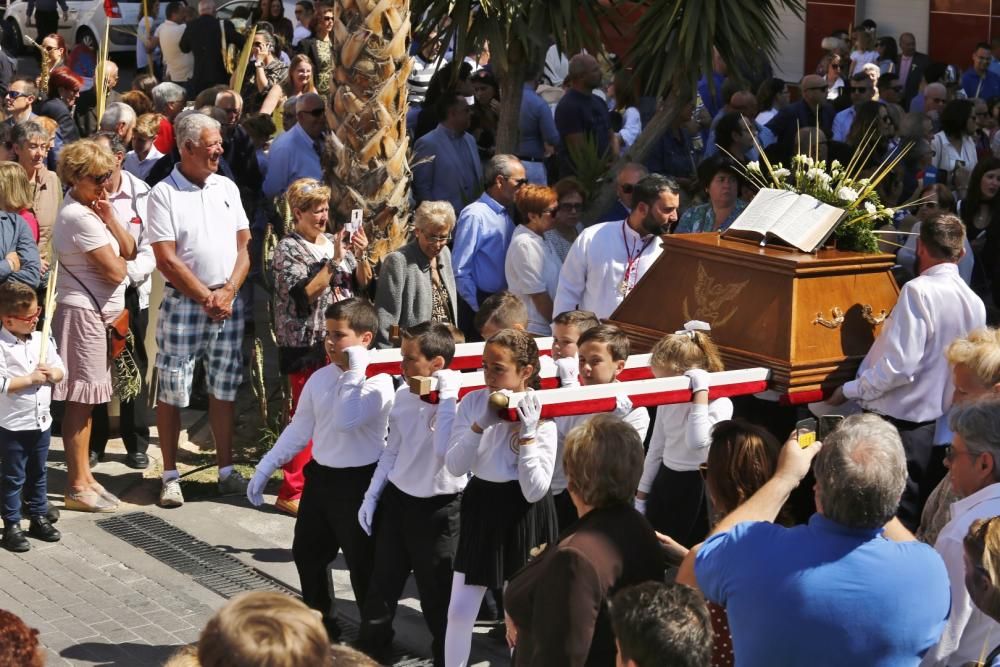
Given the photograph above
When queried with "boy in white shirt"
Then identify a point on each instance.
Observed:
(346, 416)
(601, 355)
(25, 422)
(412, 502)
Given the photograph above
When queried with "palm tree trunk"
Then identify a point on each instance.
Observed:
(365, 157)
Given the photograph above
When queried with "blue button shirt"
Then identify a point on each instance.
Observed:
(538, 127)
(984, 87)
(482, 236)
(292, 156)
(824, 594)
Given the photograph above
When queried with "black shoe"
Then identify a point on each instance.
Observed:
(14, 539)
(138, 461)
(41, 529)
(332, 628)
(93, 459)
(53, 514)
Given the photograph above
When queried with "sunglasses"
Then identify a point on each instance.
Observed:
(328, 18)
(823, 88)
(836, 66)
(858, 89)
(518, 182)
(102, 179)
(570, 207)
(50, 49)
(628, 188)
(13, 94)
(316, 113)
(30, 318)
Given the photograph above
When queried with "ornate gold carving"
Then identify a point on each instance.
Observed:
(838, 319)
(870, 317)
(711, 299)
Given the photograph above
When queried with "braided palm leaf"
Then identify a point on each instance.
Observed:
(365, 157)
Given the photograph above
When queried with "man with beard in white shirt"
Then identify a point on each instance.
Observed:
(905, 376)
(607, 260)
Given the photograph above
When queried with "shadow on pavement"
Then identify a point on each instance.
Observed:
(119, 655)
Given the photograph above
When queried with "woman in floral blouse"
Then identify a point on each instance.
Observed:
(312, 269)
(721, 180)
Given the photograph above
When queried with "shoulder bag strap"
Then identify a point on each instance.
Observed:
(84, 286)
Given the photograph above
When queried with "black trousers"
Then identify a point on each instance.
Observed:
(133, 426)
(918, 444)
(467, 316)
(47, 22)
(327, 523)
(678, 505)
(565, 510)
(418, 535)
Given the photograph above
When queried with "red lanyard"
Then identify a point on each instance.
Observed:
(630, 265)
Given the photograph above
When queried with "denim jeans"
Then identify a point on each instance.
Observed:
(535, 173)
(24, 454)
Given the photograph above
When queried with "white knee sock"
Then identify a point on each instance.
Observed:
(462, 611)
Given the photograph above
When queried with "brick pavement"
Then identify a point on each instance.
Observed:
(96, 600)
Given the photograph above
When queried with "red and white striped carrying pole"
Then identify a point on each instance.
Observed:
(468, 356)
(636, 368)
(643, 393)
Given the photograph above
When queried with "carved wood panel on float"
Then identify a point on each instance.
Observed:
(810, 318)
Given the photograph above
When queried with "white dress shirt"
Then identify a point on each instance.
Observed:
(905, 374)
(203, 223)
(28, 409)
(494, 456)
(413, 458)
(178, 66)
(532, 267)
(638, 419)
(130, 207)
(967, 630)
(681, 436)
(591, 276)
(345, 415)
(140, 167)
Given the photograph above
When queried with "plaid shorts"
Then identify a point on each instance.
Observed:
(184, 334)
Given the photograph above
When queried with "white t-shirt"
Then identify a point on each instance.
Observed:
(532, 267)
(77, 232)
(179, 66)
(862, 58)
(945, 154)
(202, 222)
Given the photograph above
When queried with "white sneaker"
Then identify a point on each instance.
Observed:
(234, 485)
(170, 494)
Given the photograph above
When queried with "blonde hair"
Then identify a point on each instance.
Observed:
(306, 194)
(264, 628)
(148, 125)
(679, 352)
(980, 353)
(603, 460)
(185, 656)
(15, 190)
(49, 125)
(982, 545)
(434, 214)
(83, 158)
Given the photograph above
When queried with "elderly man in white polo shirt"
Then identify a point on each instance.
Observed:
(199, 233)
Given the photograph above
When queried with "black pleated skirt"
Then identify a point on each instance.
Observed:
(678, 505)
(498, 530)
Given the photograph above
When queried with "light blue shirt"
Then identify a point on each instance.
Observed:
(482, 235)
(842, 124)
(453, 172)
(765, 137)
(824, 594)
(292, 156)
(538, 126)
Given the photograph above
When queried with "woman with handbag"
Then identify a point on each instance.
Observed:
(93, 249)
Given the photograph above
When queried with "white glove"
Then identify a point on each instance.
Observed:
(699, 379)
(255, 489)
(448, 384)
(366, 515)
(623, 406)
(640, 505)
(490, 415)
(529, 411)
(568, 370)
(357, 358)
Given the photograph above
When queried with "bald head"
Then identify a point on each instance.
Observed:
(744, 102)
(584, 72)
(206, 7)
(814, 89)
(935, 97)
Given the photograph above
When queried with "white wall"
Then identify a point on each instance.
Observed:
(895, 17)
(791, 47)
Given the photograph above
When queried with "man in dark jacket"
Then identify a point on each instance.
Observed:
(203, 38)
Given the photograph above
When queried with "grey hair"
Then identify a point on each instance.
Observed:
(436, 214)
(978, 422)
(117, 112)
(190, 127)
(861, 472)
(24, 130)
(300, 101)
(499, 165)
(115, 142)
(165, 93)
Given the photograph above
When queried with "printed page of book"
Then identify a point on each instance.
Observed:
(806, 223)
(763, 212)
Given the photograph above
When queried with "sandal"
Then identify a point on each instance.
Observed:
(105, 494)
(87, 501)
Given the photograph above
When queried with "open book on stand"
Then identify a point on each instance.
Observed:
(786, 218)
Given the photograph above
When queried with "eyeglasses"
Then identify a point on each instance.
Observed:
(30, 318)
(859, 89)
(950, 453)
(436, 239)
(570, 207)
(518, 182)
(102, 179)
(328, 18)
(836, 65)
(934, 99)
(50, 49)
(315, 113)
(627, 188)
(13, 94)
